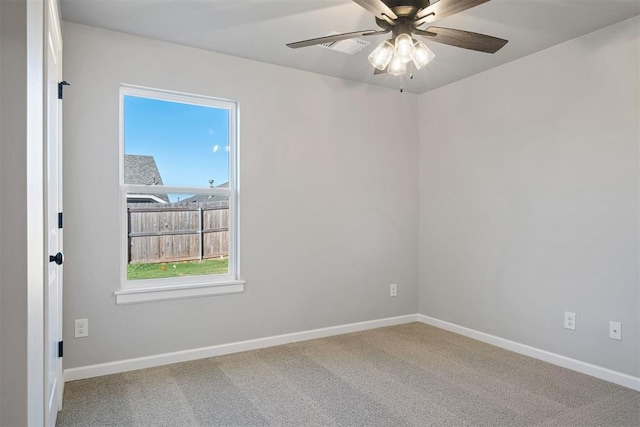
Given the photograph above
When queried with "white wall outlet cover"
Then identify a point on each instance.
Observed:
(570, 320)
(393, 290)
(81, 328)
(615, 330)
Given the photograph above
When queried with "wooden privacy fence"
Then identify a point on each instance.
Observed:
(177, 232)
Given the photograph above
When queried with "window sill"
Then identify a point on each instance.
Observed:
(164, 293)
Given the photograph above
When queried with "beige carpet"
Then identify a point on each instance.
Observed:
(410, 374)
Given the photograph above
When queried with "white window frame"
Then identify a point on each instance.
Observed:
(144, 290)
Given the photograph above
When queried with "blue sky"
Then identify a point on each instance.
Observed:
(189, 142)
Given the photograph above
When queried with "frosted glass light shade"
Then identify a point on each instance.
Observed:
(381, 56)
(422, 55)
(404, 47)
(397, 66)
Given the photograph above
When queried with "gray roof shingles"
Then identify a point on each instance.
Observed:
(142, 170)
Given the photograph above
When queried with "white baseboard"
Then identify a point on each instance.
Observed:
(218, 350)
(556, 359)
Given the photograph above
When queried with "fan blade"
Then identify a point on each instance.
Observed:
(463, 39)
(336, 38)
(443, 8)
(379, 9)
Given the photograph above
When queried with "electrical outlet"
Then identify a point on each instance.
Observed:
(393, 290)
(570, 320)
(615, 330)
(82, 328)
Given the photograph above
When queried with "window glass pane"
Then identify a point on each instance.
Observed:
(189, 237)
(175, 144)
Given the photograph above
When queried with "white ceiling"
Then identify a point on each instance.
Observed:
(259, 30)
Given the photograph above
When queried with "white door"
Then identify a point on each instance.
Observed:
(53, 191)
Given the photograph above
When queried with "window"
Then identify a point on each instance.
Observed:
(178, 182)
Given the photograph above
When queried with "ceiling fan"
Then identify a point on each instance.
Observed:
(403, 18)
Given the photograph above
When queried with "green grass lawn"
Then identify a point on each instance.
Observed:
(176, 269)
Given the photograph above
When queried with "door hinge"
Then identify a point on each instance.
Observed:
(61, 86)
(59, 219)
(60, 345)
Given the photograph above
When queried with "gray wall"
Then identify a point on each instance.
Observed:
(21, 225)
(529, 199)
(329, 198)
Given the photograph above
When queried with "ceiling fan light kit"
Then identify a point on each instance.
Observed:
(422, 55)
(397, 66)
(381, 55)
(396, 56)
(403, 47)
(403, 18)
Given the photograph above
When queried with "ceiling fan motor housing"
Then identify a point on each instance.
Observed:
(403, 26)
(406, 8)
(405, 11)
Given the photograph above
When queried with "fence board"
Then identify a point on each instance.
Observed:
(174, 232)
